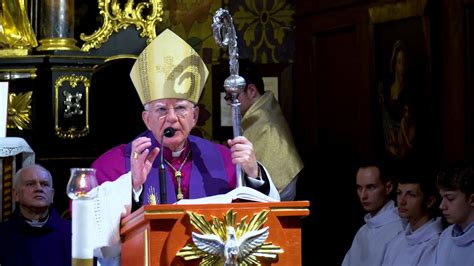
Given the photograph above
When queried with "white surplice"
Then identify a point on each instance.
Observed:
(370, 242)
(414, 247)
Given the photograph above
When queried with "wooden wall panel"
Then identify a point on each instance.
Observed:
(335, 74)
(337, 84)
(333, 86)
(452, 91)
(469, 23)
(332, 123)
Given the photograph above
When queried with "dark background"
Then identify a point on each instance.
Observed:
(337, 69)
(330, 104)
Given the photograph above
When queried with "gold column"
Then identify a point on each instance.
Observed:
(57, 25)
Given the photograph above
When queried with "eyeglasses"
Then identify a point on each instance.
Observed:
(179, 110)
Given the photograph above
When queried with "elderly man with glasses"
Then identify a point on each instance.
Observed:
(169, 77)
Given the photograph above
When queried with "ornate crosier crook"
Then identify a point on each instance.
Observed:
(224, 35)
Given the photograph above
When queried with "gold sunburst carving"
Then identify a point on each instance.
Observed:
(219, 228)
(19, 110)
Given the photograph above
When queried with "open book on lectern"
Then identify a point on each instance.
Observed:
(235, 195)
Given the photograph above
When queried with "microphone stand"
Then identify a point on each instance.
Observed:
(168, 132)
(162, 175)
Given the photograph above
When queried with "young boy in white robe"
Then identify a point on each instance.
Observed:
(456, 244)
(417, 203)
(382, 222)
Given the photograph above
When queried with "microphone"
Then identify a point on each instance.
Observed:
(168, 132)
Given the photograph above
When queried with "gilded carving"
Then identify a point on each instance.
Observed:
(16, 33)
(72, 108)
(115, 19)
(225, 242)
(19, 110)
(379, 13)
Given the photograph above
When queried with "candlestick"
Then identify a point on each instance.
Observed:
(81, 189)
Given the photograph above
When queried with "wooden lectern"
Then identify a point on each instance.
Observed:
(154, 234)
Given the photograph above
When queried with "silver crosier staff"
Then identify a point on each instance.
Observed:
(225, 37)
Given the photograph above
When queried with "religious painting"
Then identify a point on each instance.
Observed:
(403, 102)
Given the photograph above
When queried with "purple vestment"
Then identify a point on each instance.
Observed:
(211, 169)
(22, 244)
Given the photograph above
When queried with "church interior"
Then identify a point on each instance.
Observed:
(332, 64)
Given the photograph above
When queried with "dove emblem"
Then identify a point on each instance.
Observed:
(232, 249)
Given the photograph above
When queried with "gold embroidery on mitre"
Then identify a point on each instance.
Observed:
(169, 68)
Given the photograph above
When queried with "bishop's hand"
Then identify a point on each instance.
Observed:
(244, 154)
(141, 160)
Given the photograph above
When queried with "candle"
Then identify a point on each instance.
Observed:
(82, 232)
(81, 189)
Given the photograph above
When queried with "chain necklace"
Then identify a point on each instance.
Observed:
(178, 174)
